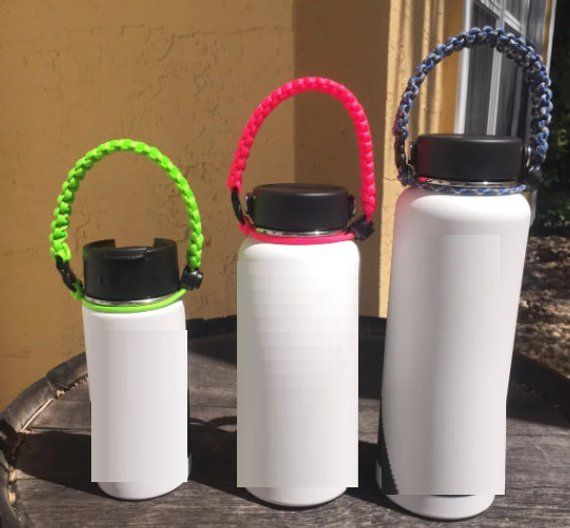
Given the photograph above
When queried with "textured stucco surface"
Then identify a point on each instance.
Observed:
(373, 47)
(347, 42)
(183, 75)
(415, 27)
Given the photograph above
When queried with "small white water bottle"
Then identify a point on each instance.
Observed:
(459, 245)
(297, 330)
(136, 344)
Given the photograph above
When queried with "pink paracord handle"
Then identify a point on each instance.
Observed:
(352, 106)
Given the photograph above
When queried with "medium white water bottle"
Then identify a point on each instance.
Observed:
(459, 245)
(136, 344)
(297, 330)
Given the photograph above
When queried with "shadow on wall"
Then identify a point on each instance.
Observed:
(346, 41)
(372, 47)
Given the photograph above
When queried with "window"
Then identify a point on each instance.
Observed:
(492, 97)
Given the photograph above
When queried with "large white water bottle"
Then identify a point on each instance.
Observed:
(136, 344)
(297, 330)
(459, 246)
(457, 266)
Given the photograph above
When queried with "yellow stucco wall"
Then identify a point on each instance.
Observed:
(347, 42)
(372, 47)
(185, 75)
(416, 27)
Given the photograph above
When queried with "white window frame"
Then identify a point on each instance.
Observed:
(498, 8)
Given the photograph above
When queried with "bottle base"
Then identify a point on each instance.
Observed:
(442, 507)
(135, 491)
(297, 497)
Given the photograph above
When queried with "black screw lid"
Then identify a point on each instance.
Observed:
(130, 273)
(300, 207)
(462, 157)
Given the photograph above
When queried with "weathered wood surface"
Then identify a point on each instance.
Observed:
(45, 476)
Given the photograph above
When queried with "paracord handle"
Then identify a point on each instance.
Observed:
(59, 248)
(536, 77)
(361, 127)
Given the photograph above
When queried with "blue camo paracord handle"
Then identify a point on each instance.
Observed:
(536, 78)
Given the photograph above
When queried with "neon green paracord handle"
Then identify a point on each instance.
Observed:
(61, 253)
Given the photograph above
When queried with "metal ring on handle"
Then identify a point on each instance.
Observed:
(60, 250)
(536, 77)
(362, 226)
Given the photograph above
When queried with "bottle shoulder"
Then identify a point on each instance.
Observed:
(175, 310)
(448, 206)
(252, 249)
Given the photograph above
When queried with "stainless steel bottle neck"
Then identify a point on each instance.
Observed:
(134, 302)
(470, 184)
(307, 234)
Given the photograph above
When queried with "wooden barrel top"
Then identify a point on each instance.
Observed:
(45, 459)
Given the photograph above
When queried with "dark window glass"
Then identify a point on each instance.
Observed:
(479, 83)
(510, 96)
(510, 113)
(516, 8)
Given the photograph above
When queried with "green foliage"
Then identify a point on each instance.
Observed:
(554, 195)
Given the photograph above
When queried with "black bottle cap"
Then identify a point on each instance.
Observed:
(463, 158)
(300, 207)
(130, 273)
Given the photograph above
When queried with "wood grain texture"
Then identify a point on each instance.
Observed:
(52, 487)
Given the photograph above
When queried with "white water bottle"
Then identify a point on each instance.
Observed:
(297, 330)
(137, 366)
(459, 245)
(136, 344)
(457, 264)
